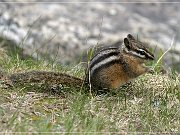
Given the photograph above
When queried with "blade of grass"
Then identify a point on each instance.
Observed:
(172, 42)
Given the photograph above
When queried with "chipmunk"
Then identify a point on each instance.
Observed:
(110, 68)
(113, 67)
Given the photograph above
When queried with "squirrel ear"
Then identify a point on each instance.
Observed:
(129, 36)
(126, 42)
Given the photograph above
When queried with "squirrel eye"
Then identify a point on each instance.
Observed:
(142, 52)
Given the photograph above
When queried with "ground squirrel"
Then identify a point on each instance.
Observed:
(110, 68)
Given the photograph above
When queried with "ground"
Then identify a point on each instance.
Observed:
(136, 108)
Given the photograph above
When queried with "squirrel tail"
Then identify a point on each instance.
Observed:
(50, 78)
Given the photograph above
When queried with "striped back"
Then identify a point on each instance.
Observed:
(103, 58)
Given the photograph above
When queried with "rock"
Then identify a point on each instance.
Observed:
(65, 30)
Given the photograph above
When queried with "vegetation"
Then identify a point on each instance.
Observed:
(150, 104)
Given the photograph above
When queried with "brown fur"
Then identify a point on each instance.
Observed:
(136, 66)
(45, 77)
(114, 76)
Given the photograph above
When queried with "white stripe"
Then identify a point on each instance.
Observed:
(134, 53)
(137, 54)
(103, 53)
(100, 64)
(141, 49)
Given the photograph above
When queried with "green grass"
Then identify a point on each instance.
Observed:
(143, 109)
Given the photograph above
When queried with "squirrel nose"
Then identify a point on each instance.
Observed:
(151, 71)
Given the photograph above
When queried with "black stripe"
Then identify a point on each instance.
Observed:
(150, 56)
(103, 50)
(142, 45)
(109, 48)
(122, 62)
(106, 65)
(103, 57)
(147, 54)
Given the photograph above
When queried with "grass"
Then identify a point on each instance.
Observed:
(141, 108)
